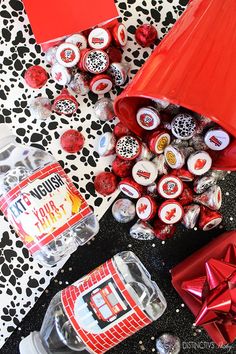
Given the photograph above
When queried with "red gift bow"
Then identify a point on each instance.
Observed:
(216, 292)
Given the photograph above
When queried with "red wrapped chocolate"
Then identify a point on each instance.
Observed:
(206, 281)
(36, 76)
(146, 35)
(105, 183)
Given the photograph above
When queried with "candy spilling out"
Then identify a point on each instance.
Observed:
(168, 172)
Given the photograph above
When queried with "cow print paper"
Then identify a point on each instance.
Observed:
(22, 280)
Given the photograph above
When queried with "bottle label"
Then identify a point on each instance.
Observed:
(101, 310)
(43, 206)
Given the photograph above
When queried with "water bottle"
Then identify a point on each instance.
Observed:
(41, 203)
(99, 311)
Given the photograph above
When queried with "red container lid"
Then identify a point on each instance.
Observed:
(193, 71)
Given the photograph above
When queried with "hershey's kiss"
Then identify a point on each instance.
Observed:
(168, 344)
(142, 231)
(123, 210)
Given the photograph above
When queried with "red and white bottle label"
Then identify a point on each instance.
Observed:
(43, 206)
(101, 310)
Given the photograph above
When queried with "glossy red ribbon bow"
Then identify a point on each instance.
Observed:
(216, 291)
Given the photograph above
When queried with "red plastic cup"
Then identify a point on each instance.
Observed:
(192, 71)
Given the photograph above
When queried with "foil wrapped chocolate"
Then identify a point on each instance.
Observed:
(142, 231)
(191, 214)
(40, 108)
(103, 109)
(123, 210)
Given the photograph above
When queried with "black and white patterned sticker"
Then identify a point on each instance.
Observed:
(22, 280)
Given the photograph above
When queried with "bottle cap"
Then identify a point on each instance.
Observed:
(77, 39)
(96, 61)
(183, 126)
(131, 188)
(158, 141)
(101, 84)
(148, 118)
(67, 54)
(60, 74)
(32, 344)
(170, 187)
(174, 157)
(144, 172)
(217, 139)
(106, 144)
(146, 208)
(99, 38)
(170, 212)
(120, 34)
(128, 148)
(118, 73)
(199, 163)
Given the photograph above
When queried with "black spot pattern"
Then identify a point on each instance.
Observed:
(21, 279)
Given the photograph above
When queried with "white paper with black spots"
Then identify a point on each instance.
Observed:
(22, 280)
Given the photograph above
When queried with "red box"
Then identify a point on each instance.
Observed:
(53, 19)
(194, 267)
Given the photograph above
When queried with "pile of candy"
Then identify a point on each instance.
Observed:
(168, 171)
(86, 61)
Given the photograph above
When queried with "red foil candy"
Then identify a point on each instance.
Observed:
(114, 54)
(121, 130)
(164, 231)
(187, 195)
(146, 35)
(209, 219)
(72, 141)
(122, 168)
(183, 174)
(105, 183)
(36, 76)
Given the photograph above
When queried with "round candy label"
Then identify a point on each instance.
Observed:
(170, 187)
(173, 157)
(128, 148)
(217, 139)
(129, 190)
(144, 208)
(144, 172)
(60, 74)
(96, 61)
(161, 143)
(148, 118)
(67, 54)
(122, 35)
(99, 38)
(77, 39)
(102, 85)
(199, 163)
(170, 212)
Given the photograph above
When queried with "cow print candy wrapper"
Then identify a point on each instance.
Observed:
(142, 231)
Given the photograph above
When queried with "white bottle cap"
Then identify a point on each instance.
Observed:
(5, 131)
(32, 344)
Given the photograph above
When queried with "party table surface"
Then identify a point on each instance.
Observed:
(18, 48)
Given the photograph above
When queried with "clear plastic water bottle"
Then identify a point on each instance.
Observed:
(99, 311)
(41, 203)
